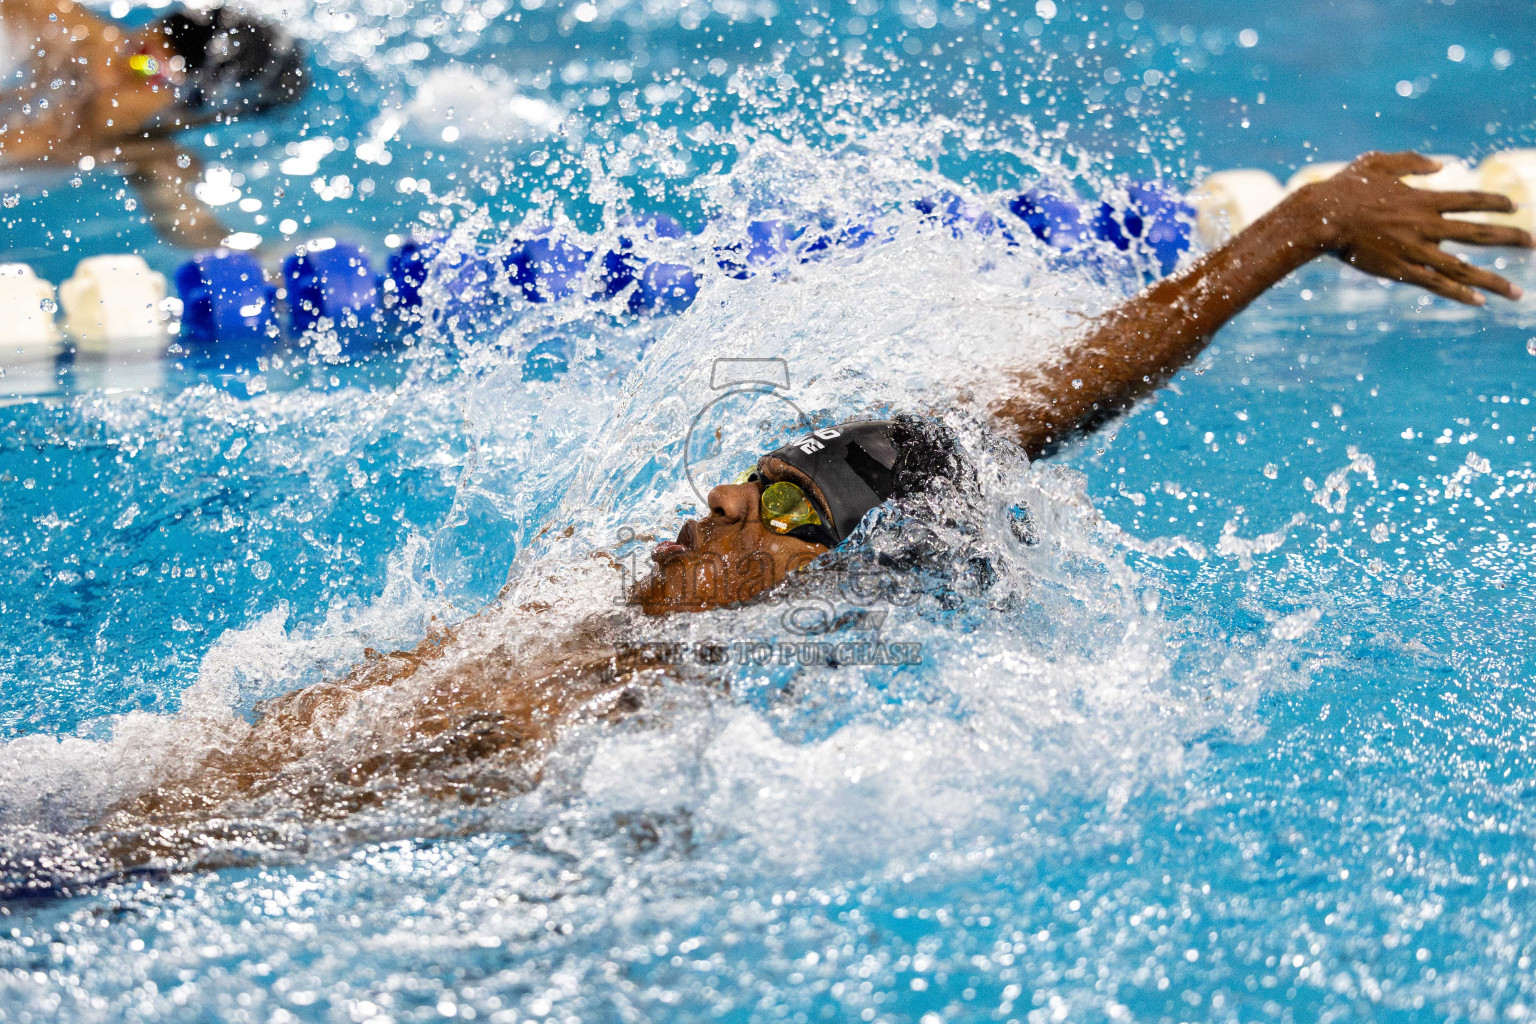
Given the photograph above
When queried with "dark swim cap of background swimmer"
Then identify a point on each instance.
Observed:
(846, 470)
(235, 64)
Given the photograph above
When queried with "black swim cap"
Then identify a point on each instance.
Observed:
(848, 469)
(234, 64)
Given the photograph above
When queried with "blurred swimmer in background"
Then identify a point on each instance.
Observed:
(471, 714)
(75, 86)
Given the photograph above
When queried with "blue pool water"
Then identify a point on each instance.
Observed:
(1245, 736)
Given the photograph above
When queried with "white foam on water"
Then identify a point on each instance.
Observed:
(1043, 667)
(476, 105)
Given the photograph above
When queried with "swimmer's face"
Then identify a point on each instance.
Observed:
(139, 96)
(726, 557)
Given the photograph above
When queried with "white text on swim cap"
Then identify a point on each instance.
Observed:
(811, 446)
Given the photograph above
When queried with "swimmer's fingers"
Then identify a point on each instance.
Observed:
(1469, 202)
(1433, 280)
(1462, 272)
(1396, 164)
(1479, 234)
(1429, 280)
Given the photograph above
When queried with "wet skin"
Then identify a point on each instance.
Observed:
(727, 557)
(115, 103)
(458, 698)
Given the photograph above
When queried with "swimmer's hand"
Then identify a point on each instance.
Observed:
(1371, 220)
(1365, 215)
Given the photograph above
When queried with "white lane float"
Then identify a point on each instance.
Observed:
(29, 339)
(1228, 201)
(1310, 174)
(114, 303)
(1511, 173)
(1454, 175)
(27, 305)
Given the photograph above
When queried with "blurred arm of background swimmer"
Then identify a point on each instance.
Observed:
(1365, 215)
(163, 174)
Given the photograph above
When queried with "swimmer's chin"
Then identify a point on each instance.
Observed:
(650, 594)
(678, 585)
(656, 598)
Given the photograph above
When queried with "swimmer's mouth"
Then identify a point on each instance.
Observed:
(667, 550)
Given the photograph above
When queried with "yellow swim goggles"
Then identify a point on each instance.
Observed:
(784, 505)
(151, 69)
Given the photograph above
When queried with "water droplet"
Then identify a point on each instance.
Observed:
(11, 201)
(1077, 383)
(1022, 524)
(1271, 470)
(261, 570)
(1530, 345)
(48, 306)
(182, 160)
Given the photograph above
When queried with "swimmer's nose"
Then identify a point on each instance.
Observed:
(734, 502)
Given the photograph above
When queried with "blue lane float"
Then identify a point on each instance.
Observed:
(767, 242)
(622, 265)
(961, 216)
(548, 267)
(832, 234)
(1053, 219)
(466, 280)
(337, 283)
(664, 288)
(659, 288)
(407, 270)
(1156, 217)
(226, 298)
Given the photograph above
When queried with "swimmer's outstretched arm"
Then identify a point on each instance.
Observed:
(1365, 215)
(163, 175)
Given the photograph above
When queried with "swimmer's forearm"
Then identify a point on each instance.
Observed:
(1136, 348)
(163, 176)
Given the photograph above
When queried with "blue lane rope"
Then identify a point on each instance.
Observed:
(227, 299)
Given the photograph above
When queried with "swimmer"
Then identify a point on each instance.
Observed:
(75, 86)
(465, 717)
